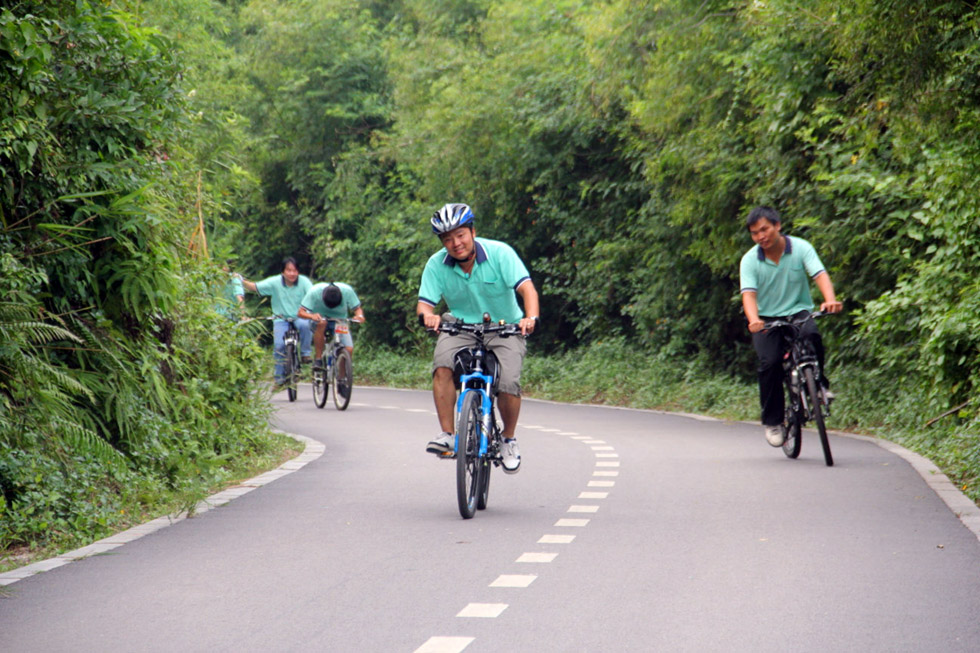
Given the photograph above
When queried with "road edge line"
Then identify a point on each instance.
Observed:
(312, 450)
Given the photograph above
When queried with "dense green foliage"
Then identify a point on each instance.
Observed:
(120, 387)
(617, 144)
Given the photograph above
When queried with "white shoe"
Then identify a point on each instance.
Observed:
(441, 444)
(775, 435)
(511, 457)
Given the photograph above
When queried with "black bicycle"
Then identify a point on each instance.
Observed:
(805, 400)
(478, 442)
(291, 362)
(336, 369)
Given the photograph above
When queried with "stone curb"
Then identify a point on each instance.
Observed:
(312, 450)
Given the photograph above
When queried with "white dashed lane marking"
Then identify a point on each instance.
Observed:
(483, 610)
(601, 450)
(584, 509)
(537, 557)
(556, 539)
(513, 580)
(573, 523)
(445, 645)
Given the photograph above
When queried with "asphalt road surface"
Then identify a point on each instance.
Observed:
(624, 531)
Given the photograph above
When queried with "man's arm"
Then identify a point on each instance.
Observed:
(248, 285)
(529, 294)
(306, 315)
(750, 304)
(826, 286)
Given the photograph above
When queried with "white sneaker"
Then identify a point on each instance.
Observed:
(775, 435)
(441, 444)
(511, 457)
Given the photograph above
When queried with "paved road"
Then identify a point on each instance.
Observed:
(624, 531)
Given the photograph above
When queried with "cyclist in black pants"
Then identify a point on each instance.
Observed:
(775, 280)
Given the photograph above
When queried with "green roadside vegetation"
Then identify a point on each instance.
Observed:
(616, 144)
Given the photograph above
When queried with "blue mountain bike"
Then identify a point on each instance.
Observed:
(478, 441)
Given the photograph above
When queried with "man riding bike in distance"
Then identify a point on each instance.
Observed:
(775, 280)
(286, 291)
(476, 276)
(330, 301)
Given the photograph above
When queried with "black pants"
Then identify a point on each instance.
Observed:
(769, 346)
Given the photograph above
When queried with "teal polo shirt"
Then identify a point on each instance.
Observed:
(782, 289)
(488, 288)
(285, 299)
(313, 301)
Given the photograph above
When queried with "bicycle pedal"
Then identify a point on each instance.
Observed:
(448, 454)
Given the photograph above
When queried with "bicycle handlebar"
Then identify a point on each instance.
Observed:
(453, 328)
(793, 323)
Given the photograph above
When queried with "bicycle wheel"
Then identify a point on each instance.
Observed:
(469, 468)
(292, 370)
(793, 425)
(343, 379)
(816, 414)
(320, 386)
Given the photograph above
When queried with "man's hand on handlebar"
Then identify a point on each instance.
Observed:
(430, 321)
(527, 325)
(832, 307)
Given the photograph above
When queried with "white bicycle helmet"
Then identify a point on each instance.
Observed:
(451, 216)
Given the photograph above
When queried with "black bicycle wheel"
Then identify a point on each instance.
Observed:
(469, 469)
(292, 369)
(793, 425)
(816, 414)
(343, 379)
(320, 386)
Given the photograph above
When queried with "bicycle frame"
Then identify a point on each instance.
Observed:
(467, 384)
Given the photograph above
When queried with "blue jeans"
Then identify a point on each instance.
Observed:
(279, 350)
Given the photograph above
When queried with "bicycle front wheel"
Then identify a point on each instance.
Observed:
(793, 424)
(343, 379)
(292, 371)
(816, 414)
(469, 468)
(320, 383)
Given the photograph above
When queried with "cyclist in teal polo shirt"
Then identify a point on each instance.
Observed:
(286, 291)
(331, 301)
(476, 276)
(775, 280)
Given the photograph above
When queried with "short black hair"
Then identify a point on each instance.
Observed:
(332, 296)
(759, 212)
(286, 261)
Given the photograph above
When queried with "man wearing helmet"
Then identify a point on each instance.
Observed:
(476, 276)
(330, 301)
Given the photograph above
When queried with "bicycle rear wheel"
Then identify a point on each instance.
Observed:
(816, 414)
(793, 425)
(292, 371)
(469, 467)
(320, 386)
(343, 379)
